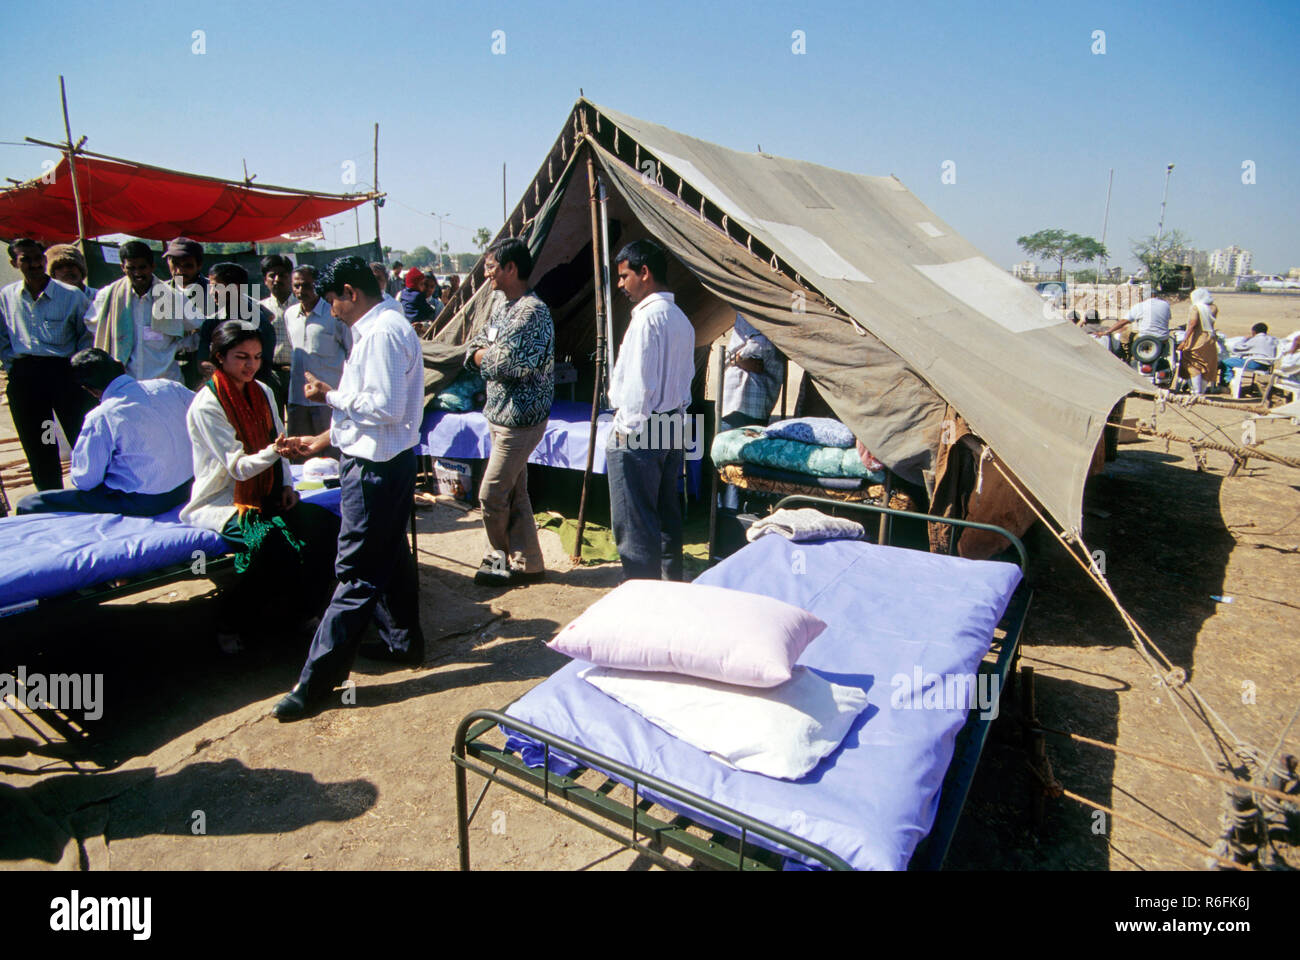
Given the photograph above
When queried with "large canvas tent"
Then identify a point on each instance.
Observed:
(892, 315)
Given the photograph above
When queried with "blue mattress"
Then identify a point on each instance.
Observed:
(465, 436)
(46, 555)
(889, 611)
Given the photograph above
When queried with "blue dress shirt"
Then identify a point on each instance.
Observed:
(136, 440)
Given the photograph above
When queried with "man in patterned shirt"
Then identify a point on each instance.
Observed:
(515, 354)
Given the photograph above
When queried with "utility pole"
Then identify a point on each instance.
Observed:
(1105, 221)
(1160, 229)
(377, 241)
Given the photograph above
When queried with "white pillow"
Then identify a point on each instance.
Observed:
(779, 732)
(695, 630)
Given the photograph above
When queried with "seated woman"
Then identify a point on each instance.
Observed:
(243, 490)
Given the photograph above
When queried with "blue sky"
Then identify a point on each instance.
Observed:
(1012, 94)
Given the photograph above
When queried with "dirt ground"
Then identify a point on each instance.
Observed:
(186, 770)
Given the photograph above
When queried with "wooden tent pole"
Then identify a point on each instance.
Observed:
(600, 351)
(377, 242)
(713, 467)
(72, 169)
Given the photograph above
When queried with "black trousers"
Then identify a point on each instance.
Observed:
(40, 389)
(375, 570)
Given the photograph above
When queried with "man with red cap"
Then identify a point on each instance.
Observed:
(412, 299)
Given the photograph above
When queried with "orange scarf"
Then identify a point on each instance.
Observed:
(249, 412)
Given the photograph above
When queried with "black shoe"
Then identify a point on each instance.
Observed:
(378, 650)
(518, 577)
(295, 705)
(492, 575)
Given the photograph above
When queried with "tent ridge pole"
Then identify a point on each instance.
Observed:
(598, 288)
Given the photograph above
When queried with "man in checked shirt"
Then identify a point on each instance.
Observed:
(515, 353)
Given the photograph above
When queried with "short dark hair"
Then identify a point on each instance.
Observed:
(228, 272)
(307, 270)
(27, 242)
(95, 368)
(352, 271)
(275, 261)
(396, 264)
(513, 250)
(135, 250)
(1259, 328)
(645, 253)
(230, 334)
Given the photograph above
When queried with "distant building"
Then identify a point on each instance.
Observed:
(1198, 260)
(1233, 261)
(1025, 270)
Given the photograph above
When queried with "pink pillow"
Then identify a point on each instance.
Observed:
(696, 631)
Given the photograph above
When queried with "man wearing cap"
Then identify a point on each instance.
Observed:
(42, 323)
(64, 263)
(185, 262)
(141, 321)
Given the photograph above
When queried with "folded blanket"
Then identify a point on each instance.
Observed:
(462, 394)
(822, 431)
(785, 476)
(806, 523)
(751, 445)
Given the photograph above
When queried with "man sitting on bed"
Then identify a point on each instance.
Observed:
(132, 456)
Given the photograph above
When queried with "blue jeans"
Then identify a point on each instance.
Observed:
(104, 499)
(1248, 364)
(375, 569)
(645, 510)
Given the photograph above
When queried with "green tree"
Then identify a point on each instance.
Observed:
(420, 257)
(1157, 255)
(1061, 246)
(482, 237)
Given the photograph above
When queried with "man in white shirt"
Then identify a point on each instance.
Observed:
(650, 390)
(133, 454)
(142, 321)
(320, 343)
(375, 422)
(1150, 318)
(277, 276)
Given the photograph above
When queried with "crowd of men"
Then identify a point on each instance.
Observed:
(330, 365)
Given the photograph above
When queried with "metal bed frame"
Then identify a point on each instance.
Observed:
(172, 573)
(635, 828)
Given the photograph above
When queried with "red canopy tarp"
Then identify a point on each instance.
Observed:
(157, 204)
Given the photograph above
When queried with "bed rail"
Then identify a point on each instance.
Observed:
(648, 835)
(657, 834)
(887, 512)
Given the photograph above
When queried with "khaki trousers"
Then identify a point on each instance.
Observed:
(507, 512)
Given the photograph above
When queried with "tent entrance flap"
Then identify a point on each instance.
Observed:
(883, 401)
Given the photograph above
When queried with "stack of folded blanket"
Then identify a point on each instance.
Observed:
(811, 451)
(466, 392)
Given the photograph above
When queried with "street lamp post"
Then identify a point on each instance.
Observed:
(441, 217)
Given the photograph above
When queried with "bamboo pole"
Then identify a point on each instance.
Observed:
(72, 169)
(600, 351)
